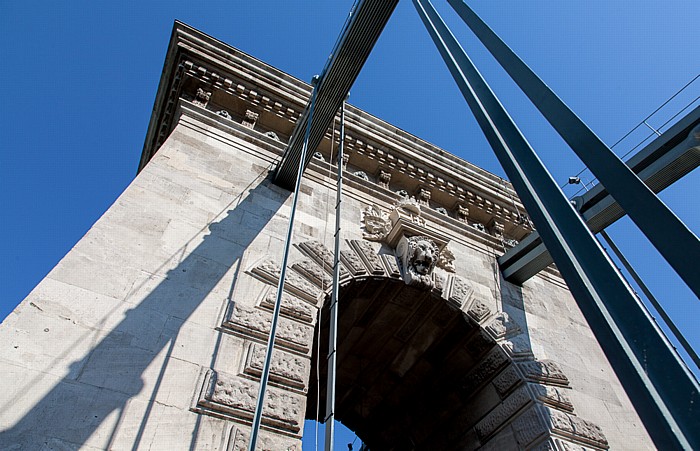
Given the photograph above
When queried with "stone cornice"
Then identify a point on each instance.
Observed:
(244, 89)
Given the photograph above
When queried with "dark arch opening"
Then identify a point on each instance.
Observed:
(407, 368)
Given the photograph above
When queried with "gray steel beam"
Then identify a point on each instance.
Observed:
(357, 39)
(660, 386)
(669, 235)
(661, 163)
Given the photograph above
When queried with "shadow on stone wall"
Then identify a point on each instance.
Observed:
(111, 373)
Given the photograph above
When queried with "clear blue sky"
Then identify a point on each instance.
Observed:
(80, 78)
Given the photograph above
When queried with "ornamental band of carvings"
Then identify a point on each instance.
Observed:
(291, 306)
(231, 395)
(285, 368)
(257, 323)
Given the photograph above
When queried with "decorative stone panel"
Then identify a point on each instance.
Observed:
(485, 371)
(478, 311)
(353, 262)
(369, 257)
(544, 371)
(257, 323)
(529, 426)
(460, 292)
(392, 266)
(502, 413)
(285, 368)
(505, 381)
(239, 440)
(233, 397)
(502, 326)
(292, 306)
(313, 272)
(575, 428)
(518, 347)
(553, 396)
(322, 256)
(294, 283)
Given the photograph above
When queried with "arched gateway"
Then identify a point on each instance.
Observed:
(151, 332)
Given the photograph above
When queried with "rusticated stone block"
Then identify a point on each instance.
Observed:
(239, 440)
(257, 323)
(294, 283)
(502, 325)
(322, 256)
(544, 371)
(313, 272)
(286, 368)
(392, 266)
(552, 396)
(503, 413)
(485, 371)
(460, 292)
(529, 426)
(353, 262)
(231, 395)
(478, 311)
(291, 306)
(575, 428)
(547, 445)
(369, 257)
(518, 347)
(506, 380)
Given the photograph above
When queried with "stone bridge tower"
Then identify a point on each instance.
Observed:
(150, 333)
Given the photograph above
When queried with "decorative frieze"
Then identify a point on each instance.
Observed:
(285, 368)
(256, 323)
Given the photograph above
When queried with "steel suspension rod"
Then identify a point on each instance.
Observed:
(659, 385)
(671, 237)
(333, 328)
(280, 286)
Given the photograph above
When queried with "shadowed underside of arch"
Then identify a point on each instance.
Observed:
(418, 368)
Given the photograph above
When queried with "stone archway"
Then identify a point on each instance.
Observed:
(420, 366)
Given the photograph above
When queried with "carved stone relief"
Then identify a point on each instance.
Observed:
(202, 97)
(250, 118)
(384, 178)
(231, 395)
(375, 222)
(291, 306)
(419, 256)
(294, 283)
(256, 323)
(286, 368)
